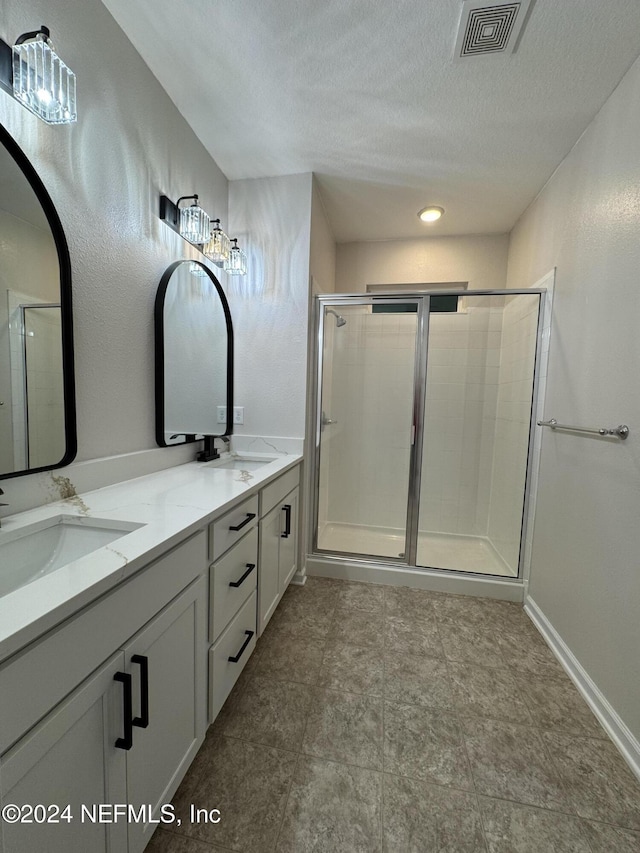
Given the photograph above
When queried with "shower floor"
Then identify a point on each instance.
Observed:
(435, 550)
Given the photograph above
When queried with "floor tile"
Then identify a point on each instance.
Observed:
(556, 705)
(290, 659)
(460, 608)
(167, 842)
(332, 808)
(425, 744)
(470, 644)
(421, 817)
(409, 603)
(345, 727)
(510, 762)
(361, 596)
(356, 669)
(358, 627)
(530, 654)
(303, 616)
(249, 785)
(514, 828)
(417, 680)
(481, 691)
(272, 713)
(407, 635)
(604, 838)
(598, 782)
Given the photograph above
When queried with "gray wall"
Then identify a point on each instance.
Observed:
(105, 175)
(585, 572)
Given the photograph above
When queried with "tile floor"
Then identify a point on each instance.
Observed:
(375, 719)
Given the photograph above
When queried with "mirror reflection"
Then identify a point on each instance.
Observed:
(32, 409)
(194, 356)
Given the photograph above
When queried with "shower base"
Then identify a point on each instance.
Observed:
(450, 551)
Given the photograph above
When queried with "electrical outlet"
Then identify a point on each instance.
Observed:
(222, 414)
(238, 414)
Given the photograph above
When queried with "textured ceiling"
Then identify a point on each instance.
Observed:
(366, 94)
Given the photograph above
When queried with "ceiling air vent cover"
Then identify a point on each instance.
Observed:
(490, 27)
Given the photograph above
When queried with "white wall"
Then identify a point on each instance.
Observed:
(270, 306)
(105, 175)
(585, 573)
(482, 261)
(322, 256)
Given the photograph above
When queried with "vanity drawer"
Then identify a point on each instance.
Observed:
(223, 673)
(280, 488)
(226, 531)
(233, 568)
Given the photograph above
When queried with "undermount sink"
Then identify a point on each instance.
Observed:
(39, 549)
(242, 462)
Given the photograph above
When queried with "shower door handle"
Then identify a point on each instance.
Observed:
(325, 421)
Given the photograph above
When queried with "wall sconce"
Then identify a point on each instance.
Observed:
(218, 247)
(194, 222)
(237, 262)
(36, 76)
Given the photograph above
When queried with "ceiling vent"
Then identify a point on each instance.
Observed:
(490, 27)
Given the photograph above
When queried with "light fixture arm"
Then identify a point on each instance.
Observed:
(186, 198)
(43, 31)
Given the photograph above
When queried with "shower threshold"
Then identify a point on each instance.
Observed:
(449, 551)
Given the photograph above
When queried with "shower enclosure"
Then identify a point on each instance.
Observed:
(423, 424)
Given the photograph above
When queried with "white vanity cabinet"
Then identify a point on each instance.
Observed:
(278, 559)
(127, 733)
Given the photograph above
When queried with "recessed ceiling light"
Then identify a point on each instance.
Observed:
(430, 214)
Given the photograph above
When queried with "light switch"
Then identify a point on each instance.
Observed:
(222, 414)
(238, 414)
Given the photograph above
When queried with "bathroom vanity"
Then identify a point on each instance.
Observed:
(112, 665)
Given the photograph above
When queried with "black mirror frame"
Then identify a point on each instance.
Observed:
(158, 318)
(66, 315)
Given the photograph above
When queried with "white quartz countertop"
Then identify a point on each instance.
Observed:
(170, 505)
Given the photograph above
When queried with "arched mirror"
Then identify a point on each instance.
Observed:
(37, 395)
(194, 356)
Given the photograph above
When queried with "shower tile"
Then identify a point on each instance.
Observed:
(410, 635)
(598, 782)
(513, 828)
(424, 744)
(420, 817)
(510, 762)
(332, 807)
(345, 727)
(358, 627)
(357, 669)
(272, 713)
(486, 692)
(417, 680)
(470, 644)
(556, 705)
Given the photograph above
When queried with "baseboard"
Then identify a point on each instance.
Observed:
(430, 579)
(610, 720)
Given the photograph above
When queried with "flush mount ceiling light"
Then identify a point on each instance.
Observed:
(237, 261)
(218, 247)
(430, 214)
(36, 76)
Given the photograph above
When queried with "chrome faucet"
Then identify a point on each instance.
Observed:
(1, 504)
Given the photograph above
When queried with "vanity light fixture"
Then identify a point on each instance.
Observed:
(36, 76)
(237, 262)
(218, 247)
(194, 222)
(196, 269)
(430, 214)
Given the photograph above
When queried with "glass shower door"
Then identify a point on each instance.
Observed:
(365, 427)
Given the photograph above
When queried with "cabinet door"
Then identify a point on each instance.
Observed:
(288, 541)
(269, 566)
(70, 758)
(170, 656)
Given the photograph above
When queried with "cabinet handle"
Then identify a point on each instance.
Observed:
(237, 657)
(250, 568)
(287, 521)
(143, 720)
(244, 523)
(126, 742)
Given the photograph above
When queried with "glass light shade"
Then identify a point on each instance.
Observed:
(218, 247)
(43, 83)
(197, 270)
(237, 261)
(194, 224)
